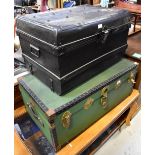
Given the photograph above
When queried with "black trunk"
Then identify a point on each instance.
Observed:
(69, 46)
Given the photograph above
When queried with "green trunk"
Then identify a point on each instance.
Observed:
(82, 106)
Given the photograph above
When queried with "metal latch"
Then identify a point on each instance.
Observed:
(131, 78)
(104, 96)
(105, 33)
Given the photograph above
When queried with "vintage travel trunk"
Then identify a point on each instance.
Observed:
(63, 45)
(62, 118)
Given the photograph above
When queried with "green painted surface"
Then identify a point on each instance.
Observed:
(81, 119)
(46, 127)
(53, 101)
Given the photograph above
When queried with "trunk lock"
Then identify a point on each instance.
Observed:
(105, 33)
(104, 95)
(131, 78)
(66, 119)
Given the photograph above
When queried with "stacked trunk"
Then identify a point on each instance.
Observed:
(76, 53)
(64, 48)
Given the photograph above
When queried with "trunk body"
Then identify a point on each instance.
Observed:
(62, 118)
(63, 44)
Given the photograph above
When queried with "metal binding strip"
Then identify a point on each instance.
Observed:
(80, 97)
(51, 45)
(42, 66)
(60, 78)
(57, 47)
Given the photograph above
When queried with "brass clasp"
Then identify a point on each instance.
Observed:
(131, 78)
(66, 119)
(88, 103)
(104, 95)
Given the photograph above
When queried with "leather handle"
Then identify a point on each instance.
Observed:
(34, 114)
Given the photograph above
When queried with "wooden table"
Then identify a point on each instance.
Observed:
(84, 140)
(135, 10)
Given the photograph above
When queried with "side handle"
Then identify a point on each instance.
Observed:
(35, 51)
(35, 114)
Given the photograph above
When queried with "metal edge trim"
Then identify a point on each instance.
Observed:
(61, 46)
(53, 135)
(51, 45)
(42, 66)
(94, 90)
(61, 78)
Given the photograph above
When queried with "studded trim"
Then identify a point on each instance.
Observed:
(94, 90)
(79, 98)
(35, 98)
